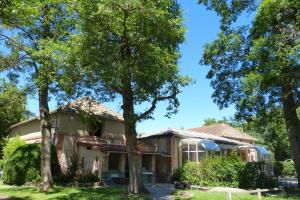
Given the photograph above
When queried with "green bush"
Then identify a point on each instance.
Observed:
(23, 165)
(277, 168)
(252, 176)
(22, 162)
(288, 168)
(212, 171)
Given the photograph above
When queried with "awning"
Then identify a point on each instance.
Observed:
(262, 150)
(210, 145)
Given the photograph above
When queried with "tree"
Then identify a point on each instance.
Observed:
(229, 121)
(131, 47)
(12, 108)
(36, 35)
(257, 68)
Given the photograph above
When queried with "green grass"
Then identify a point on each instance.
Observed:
(199, 195)
(66, 193)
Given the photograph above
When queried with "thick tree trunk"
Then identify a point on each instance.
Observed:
(134, 159)
(293, 130)
(45, 145)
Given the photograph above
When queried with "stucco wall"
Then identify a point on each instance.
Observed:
(72, 124)
(31, 127)
(113, 128)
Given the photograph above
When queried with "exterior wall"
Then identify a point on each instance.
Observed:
(72, 124)
(87, 159)
(24, 129)
(114, 131)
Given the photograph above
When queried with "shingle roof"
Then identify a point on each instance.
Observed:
(224, 130)
(85, 104)
(89, 105)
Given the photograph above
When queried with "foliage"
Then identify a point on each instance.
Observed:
(11, 146)
(212, 171)
(253, 176)
(256, 66)
(128, 53)
(229, 121)
(23, 165)
(69, 193)
(12, 108)
(21, 162)
(288, 168)
(197, 194)
(271, 128)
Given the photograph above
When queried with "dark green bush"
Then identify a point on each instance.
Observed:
(217, 171)
(252, 176)
(277, 168)
(22, 164)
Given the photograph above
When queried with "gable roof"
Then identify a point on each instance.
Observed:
(224, 130)
(85, 104)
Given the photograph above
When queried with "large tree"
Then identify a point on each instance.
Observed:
(132, 48)
(34, 35)
(257, 67)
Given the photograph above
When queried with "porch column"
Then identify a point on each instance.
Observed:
(153, 168)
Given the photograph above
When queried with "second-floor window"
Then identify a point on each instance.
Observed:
(96, 129)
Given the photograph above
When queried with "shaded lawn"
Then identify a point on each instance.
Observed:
(66, 193)
(199, 195)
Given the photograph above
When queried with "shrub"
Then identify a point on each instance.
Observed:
(217, 171)
(22, 163)
(253, 176)
(11, 146)
(277, 168)
(288, 168)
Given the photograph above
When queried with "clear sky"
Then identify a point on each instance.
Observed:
(195, 100)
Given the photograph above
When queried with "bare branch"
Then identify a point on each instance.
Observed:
(153, 104)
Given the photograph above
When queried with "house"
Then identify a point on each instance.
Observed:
(95, 136)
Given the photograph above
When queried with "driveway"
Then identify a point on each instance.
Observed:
(160, 191)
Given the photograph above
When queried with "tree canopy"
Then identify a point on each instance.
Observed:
(37, 37)
(257, 67)
(131, 49)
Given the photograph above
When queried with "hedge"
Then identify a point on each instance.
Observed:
(226, 171)
(212, 171)
(22, 162)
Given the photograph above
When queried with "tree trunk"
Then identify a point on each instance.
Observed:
(45, 145)
(293, 130)
(135, 185)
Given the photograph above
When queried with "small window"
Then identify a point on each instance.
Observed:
(96, 128)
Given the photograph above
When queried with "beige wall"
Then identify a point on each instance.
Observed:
(90, 158)
(24, 129)
(113, 128)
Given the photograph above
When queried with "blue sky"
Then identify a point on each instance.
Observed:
(195, 100)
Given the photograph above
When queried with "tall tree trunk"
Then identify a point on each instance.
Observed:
(45, 145)
(134, 159)
(293, 129)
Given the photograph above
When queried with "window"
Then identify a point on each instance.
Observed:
(192, 150)
(96, 128)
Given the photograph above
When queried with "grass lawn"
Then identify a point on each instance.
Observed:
(66, 193)
(199, 195)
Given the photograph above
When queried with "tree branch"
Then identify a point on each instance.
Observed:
(18, 45)
(153, 105)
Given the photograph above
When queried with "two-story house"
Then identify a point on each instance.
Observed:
(92, 136)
